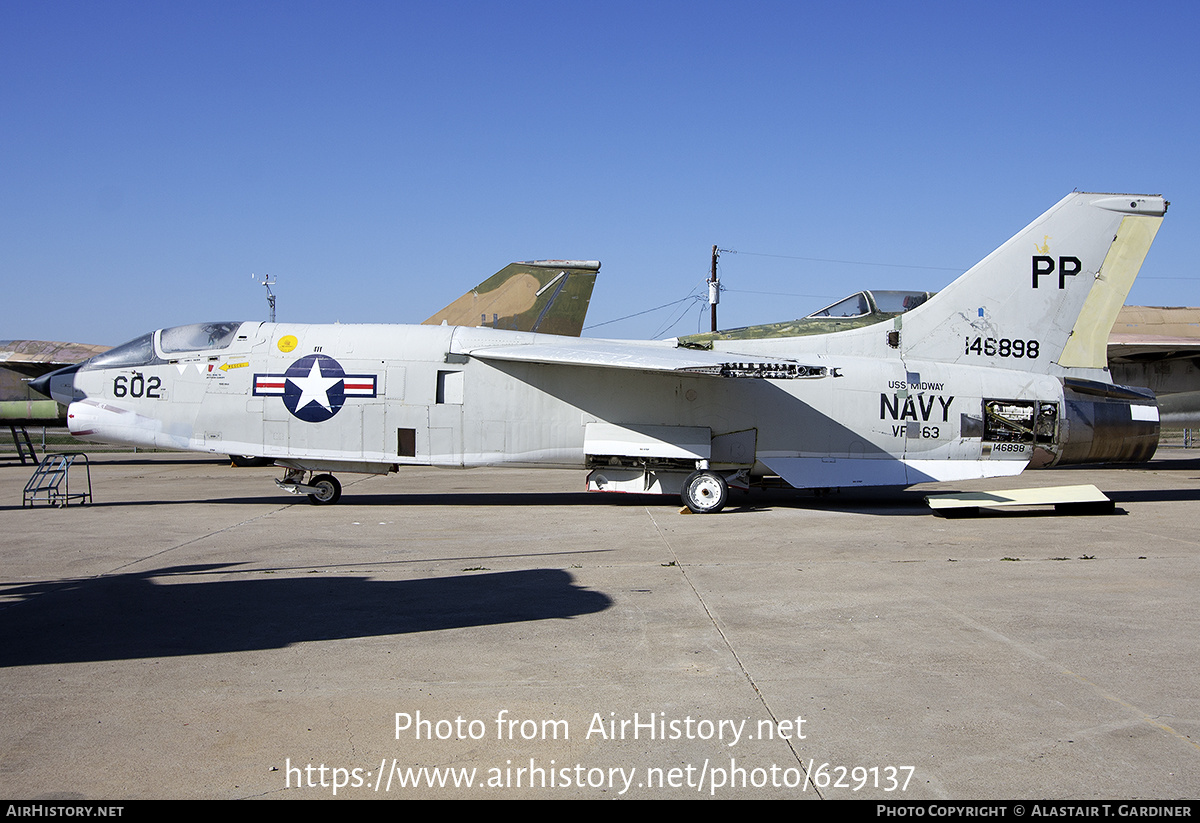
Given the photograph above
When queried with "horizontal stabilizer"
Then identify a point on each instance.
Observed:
(1080, 499)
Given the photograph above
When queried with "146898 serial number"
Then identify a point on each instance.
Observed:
(1003, 347)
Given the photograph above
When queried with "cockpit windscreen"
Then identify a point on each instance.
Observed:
(197, 337)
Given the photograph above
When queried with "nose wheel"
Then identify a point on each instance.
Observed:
(705, 492)
(322, 489)
(327, 490)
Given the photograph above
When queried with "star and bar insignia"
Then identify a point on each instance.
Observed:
(315, 387)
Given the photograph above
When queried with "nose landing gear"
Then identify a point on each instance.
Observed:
(322, 489)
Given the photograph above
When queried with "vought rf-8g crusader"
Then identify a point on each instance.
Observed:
(1004, 367)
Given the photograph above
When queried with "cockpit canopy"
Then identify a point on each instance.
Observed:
(872, 302)
(143, 351)
(197, 337)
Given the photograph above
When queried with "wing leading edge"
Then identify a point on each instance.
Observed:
(616, 354)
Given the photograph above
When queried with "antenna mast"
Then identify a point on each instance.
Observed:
(267, 282)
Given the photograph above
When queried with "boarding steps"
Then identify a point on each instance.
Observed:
(53, 479)
(19, 434)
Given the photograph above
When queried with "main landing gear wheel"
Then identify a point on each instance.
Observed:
(705, 492)
(328, 490)
(245, 461)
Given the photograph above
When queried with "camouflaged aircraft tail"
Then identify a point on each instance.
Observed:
(547, 296)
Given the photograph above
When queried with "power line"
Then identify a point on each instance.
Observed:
(777, 293)
(640, 313)
(670, 325)
(845, 262)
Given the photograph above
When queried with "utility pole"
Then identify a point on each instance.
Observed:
(714, 288)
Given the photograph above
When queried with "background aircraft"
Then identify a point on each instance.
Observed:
(23, 360)
(1003, 367)
(1159, 348)
(547, 296)
(21, 406)
(864, 308)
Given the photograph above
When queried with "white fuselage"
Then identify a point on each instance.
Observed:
(406, 396)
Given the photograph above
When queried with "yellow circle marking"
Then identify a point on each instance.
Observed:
(287, 343)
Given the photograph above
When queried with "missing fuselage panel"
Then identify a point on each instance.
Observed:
(1019, 421)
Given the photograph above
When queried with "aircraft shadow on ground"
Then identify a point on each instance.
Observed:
(1190, 464)
(878, 500)
(1155, 496)
(872, 501)
(1158, 464)
(130, 616)
(464, 499)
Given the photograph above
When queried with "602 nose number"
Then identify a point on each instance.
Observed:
(136, 385)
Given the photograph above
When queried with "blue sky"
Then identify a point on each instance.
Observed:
(379, 158)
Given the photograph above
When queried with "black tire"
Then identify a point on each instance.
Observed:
(245, 461)
(329, 490)
(705, 492)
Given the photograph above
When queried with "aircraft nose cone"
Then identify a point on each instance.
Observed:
(42, 384)
(59, 385)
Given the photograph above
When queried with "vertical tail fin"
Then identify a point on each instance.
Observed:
(1047, 298)
(547, 296)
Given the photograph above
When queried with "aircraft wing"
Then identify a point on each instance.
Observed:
(1151, 347)
(617, 354)
(1149, 333)
(33, 358)
(1156, 347)
(22, 360)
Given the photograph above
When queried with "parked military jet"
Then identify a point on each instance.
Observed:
(1004, 366)
(864, 308)
(549, 296)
